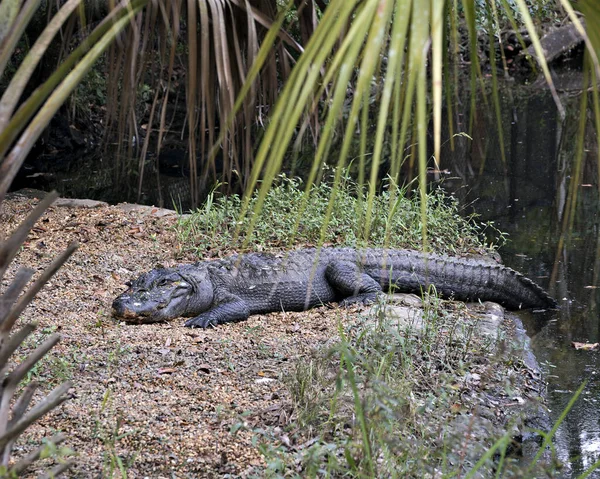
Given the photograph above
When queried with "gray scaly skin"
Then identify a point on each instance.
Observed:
(231, 289)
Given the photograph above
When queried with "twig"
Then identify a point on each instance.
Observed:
(24, 463)
(56, 470)
(11, 345)
(19, 409)
(15, 377)
(56, 397)
(11, 382)
(14, 290)
(11, 246)
(23, 402)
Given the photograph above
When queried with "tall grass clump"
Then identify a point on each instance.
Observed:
(282, 222)
(420, 396)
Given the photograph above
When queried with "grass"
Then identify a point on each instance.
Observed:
(403, 399)
(49, 370)
(211, 230)
(109, 434)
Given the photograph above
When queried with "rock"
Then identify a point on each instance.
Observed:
(75, 203)
(147, 210)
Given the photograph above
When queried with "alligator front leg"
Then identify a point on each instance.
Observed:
(353, 285)
(228, 309)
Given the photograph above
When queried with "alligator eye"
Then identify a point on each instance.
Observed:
(163, 282)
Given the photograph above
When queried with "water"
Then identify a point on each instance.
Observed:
(527, 197)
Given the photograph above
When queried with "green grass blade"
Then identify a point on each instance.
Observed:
(589, 470)
(437, 55)
(489, 454)
(418, 52)
(343, 65)
(8, 13)
(591, 36)
(495, 96)
(596, 103)
(19, 80)
(358, 406)
(373, 47)
(548, 437)
(292, 102)
(506, 8)
(15, 25)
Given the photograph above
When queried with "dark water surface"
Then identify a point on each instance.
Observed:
(527, 197)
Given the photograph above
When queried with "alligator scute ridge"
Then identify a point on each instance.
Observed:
(233, 288)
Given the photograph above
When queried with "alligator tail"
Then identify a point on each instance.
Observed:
(467, 281)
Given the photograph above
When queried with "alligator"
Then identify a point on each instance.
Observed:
(232, 289)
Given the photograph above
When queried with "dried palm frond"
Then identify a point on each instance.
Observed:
(221, 42)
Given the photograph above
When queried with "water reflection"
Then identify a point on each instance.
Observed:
(527, 195)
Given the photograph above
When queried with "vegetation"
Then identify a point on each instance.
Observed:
(406, 397)
(354, 67)
(18, 388)
(20, 128)
(243, 69)
(213, 229)
(427, 381)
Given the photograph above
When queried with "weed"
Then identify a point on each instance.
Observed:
(115, 355)
(282, 222)
(110, 436)
(49, 369)
(396, 398)
(61, 368)
(100, 322)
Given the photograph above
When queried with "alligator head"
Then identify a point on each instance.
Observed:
(163, 294)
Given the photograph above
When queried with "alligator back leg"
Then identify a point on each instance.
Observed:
(352, 284)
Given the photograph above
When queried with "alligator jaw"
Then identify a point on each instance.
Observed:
(132, 317)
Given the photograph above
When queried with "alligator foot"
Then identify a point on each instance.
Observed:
(232, 309)
(201, 322)
(365, 298)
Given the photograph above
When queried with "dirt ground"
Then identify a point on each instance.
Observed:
(160, 399)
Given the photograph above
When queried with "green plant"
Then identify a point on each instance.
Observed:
(115, 355)
(384, 401)
(16, 412)
(110, 436)
(395, 220)
(19, 129)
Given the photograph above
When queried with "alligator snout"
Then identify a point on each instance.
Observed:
(131, 309)
(120, 309)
